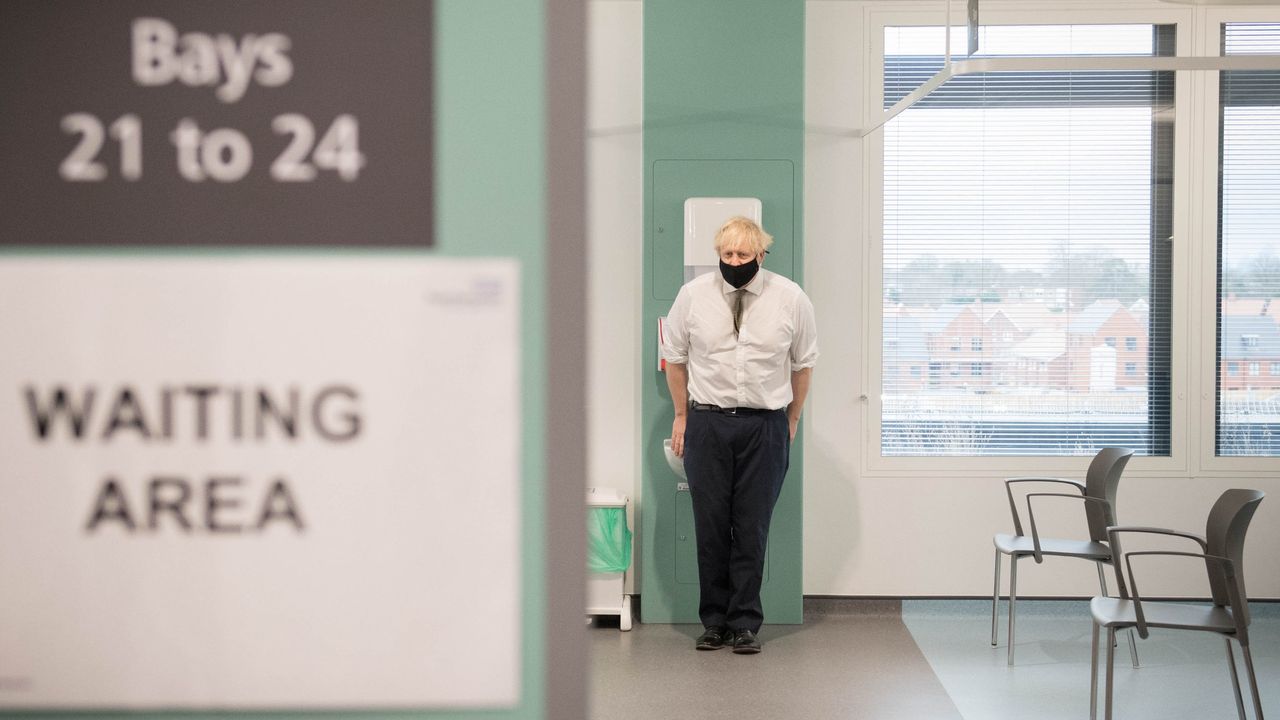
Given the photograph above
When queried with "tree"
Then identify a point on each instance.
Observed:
(1097, 275)
(926, 281)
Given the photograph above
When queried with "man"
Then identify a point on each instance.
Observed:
(740, 346)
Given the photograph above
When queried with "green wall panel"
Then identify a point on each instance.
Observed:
(724, 117)
(491, 202)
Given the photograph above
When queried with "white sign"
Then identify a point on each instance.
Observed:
(259, 482)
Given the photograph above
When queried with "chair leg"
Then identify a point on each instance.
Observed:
(1253, 682)
(1235, 680)
(995, 598)
(1102, 578)
(1013, 600)
(1093, 675)
(1111, 668)
(1133, 649)
(1133, 644)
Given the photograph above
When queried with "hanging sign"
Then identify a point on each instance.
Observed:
(245, 481)
(290, 122)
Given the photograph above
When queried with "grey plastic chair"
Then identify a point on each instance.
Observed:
(1098, 493)
(1222, 550)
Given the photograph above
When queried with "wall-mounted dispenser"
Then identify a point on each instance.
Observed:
(703, 217)
(673, 461)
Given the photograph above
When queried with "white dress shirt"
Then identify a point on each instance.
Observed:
(778, 336)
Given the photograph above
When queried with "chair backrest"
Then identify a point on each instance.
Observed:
(1224, 533)
(1101, 482)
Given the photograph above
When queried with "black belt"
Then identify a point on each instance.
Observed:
(730, 411)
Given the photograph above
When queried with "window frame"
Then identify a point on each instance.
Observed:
(1206, 258)
(1001, 14)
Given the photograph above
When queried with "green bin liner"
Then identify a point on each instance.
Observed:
(608, 540)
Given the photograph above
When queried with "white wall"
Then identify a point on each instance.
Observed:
(615, 239)
(913, 529)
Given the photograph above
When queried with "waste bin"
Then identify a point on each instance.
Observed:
(608, 554)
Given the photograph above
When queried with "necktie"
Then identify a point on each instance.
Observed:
(737, 310)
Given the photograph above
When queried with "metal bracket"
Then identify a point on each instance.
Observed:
(1068, 63)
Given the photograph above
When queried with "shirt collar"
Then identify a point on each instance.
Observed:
(755, 287)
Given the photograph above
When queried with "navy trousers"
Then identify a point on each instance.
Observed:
(735, 465)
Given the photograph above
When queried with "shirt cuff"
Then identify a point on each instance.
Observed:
(802, 364)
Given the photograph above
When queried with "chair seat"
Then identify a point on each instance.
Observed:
(1023, 545)
(1117, 612)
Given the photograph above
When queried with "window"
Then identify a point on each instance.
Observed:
(1131, 343)
(976, 344)
(1275, 368)
(1131, 369)
(1248, 263)
(975, 369)
(1027, 203)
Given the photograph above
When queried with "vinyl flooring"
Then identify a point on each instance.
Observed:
(918, 659)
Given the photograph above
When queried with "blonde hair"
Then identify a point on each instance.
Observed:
(740, 232)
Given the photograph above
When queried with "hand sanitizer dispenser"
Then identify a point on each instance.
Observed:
(703, 217)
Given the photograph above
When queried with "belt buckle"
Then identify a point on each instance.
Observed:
(730, 411)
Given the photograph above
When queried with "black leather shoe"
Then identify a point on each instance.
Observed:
(745, 642)
(714, 638)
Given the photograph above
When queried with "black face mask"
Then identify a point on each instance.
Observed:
(739, 275)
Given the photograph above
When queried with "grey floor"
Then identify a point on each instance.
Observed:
(918, 659)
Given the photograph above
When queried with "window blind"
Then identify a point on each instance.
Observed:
(1249, 249)
(1025, 305)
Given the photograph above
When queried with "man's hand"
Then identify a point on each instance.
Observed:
(678, 383)
(799, 391)
(677, 436)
